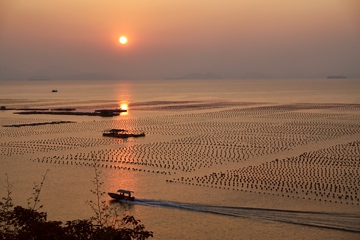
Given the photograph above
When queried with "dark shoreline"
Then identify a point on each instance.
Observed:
(65, 111)
(108, 113)
(38, 124)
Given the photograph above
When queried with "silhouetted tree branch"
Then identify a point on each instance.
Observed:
(18, 223)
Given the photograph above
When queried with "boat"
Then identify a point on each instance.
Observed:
(109, 112)
(122, 194)
(54, 90)
(121, 133)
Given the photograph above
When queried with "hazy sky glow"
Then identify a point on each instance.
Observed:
(243, 38)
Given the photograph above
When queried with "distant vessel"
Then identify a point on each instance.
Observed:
(54, 90)
(109, 112)
(337, 77)
(122, 195)
(121, 133)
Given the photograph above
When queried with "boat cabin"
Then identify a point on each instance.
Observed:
(124, 193)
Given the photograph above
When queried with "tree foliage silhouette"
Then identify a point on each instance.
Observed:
(18, 223)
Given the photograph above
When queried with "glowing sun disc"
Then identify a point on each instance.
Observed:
(122, 39)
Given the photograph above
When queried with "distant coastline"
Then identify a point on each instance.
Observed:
(173, 78)
(336, 77)
(39, 79)
(208, 75)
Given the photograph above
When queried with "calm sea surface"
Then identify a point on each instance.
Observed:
(221, 159)
(299, 90)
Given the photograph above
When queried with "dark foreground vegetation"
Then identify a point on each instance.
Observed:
(18, 223)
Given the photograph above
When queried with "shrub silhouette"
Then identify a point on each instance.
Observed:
(18, 223)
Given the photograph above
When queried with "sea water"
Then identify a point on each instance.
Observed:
(204, 140)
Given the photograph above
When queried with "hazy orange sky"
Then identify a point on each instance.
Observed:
(235, 39)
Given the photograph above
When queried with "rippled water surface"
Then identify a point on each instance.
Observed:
(221, 159)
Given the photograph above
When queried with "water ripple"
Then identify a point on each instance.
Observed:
(335, 221)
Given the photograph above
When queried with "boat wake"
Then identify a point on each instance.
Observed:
(335, 221)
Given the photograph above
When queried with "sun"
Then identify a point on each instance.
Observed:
(123, 40)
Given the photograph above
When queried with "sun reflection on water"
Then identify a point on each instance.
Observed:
(124, 106)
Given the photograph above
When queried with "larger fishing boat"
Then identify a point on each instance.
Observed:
(121, 133)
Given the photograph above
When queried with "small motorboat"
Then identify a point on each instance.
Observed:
(122, 194)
